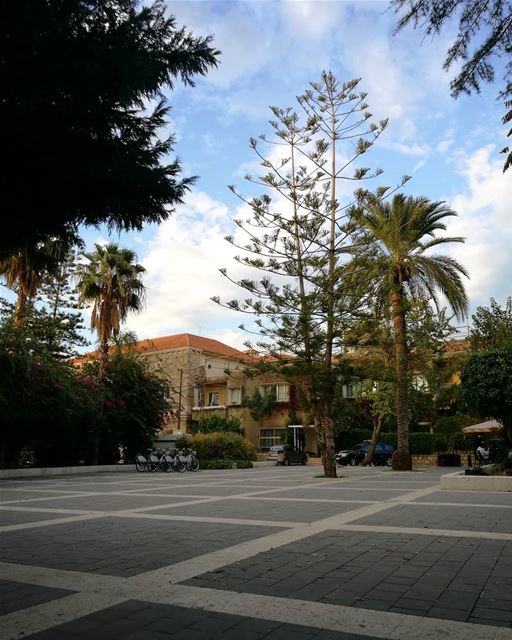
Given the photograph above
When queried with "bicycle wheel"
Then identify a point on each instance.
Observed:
(179, 466)
(140, 466)
(193, 464)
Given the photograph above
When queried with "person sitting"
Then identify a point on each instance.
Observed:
(482, 454)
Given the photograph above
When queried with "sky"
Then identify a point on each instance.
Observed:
(271, 51)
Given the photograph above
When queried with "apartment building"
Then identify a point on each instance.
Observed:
(210, 378)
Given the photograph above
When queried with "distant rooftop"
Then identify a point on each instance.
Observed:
(179, 341)
(184, 340)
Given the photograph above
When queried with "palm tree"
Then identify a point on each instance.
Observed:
(110, 279)
(25, 269)
(401, 233)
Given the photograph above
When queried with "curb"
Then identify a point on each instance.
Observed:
(38, 472)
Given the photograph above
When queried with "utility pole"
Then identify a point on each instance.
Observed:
(179, 399)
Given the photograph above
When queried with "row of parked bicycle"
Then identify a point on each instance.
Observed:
(180, 460)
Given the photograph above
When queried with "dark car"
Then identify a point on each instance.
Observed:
(286, 454)
(355, 455)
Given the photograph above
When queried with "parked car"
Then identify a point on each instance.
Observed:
(355, 455)
(286, 454)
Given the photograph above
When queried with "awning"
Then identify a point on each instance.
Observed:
(490, 426)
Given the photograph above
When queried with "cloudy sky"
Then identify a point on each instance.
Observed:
(271, 50)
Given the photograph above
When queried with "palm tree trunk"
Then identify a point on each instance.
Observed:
(20, 310)
(402, 460)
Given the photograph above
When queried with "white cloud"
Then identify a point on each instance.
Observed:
(484, 219)
(447, 141)
(234, 339)
(182, 263)
(408, 149)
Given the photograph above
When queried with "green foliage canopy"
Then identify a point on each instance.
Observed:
(492, 327)
(77, 78)
(486, 381)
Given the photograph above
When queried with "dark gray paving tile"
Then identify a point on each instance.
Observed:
(443, 517)
(106, 502)
(21, 495)
(120, 546)
(416, 574)
(261, 509)
(136, 620)
(347, 492)
(15, 596)
(469, 497)
(22, 517)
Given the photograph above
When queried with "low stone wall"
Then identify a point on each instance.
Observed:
(430, 459)
(35, 472)
(460, 482)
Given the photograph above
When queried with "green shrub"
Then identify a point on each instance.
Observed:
(244, 464)
(388, 438)
(422, 443)
(183, 442)
(427, 443)
(222, 446)
(216, 463)
(222, 463)
(217, 424)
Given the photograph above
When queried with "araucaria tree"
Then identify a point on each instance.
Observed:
(297, 234)
(111, 281)
(401, 232)
(83, 134)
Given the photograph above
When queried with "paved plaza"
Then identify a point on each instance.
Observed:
(273, 552)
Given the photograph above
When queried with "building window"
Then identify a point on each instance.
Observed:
(198, 401)
(348, 391)
(280, 391)
(270, 437)
(234, 396)
(213, 399)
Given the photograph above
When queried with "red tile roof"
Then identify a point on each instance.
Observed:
(179, 341)
(184, 340)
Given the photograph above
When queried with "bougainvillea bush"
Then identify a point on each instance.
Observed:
(69, 415)
(134, 405)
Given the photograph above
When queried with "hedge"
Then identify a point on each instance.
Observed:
(213, 447)
(222, 463)
(426, 443)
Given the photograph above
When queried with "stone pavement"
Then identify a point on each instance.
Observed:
(272, 553)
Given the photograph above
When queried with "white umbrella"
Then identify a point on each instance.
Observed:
(483, 427)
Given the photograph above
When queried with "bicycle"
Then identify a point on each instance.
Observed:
(189, 459)
(149, 462)
(172, 462)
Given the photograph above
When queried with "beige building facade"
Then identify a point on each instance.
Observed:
(209, 378)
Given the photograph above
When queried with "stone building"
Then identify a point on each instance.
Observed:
(210, 378)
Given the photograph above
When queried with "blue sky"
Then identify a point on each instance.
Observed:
(271, 50)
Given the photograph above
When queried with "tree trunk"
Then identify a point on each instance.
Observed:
(326, 445)
(103, 357)
(401, 460)
(377, 426)
(20, 310)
